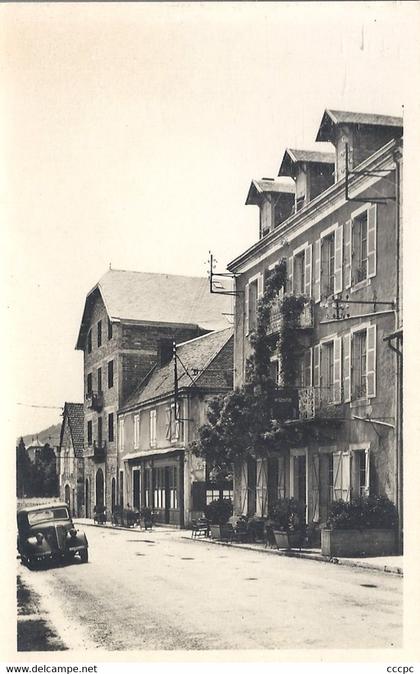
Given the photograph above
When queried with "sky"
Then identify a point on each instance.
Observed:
(131, 133)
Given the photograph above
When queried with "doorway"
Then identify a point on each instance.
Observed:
(299, 476)
(113, 494)
(99, 487)
(136, 489)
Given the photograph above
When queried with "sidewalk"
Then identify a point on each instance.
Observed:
(392, 564)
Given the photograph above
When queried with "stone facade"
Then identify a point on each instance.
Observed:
(157, 468)
(346, 390)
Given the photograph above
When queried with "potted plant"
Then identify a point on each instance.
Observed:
(288, 522)
(363, 526)
(217, 513)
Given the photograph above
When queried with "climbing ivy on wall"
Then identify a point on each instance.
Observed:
(248, 420)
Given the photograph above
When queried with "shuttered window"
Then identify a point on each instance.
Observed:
(317, 270)
(327, 371)
(299, 273)
(371, 362)
(327, 265)
(316, 368)
(136, 430)
(347, 262)
(152, 428)
(371, 241)
(308, 270)
(341, 476)
(338, 259)
(359, 265)
(346, 368)
(337, 370)
(359, 371)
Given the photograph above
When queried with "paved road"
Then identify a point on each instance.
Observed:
(154, 590)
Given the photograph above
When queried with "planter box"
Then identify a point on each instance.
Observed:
(221, 532)
(285, 540)
(358, 542)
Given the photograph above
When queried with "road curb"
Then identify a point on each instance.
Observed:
(383, 568)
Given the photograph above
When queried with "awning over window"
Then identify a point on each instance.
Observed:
(152, 452)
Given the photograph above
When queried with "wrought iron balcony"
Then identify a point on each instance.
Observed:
(99, 451)
(95, 400)
(316, 403)
(306, 318)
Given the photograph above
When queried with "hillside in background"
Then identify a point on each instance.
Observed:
(50, 435)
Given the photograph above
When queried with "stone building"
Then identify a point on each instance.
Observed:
(160, 420)
(125, 317)
(342, 243)
(71, 462)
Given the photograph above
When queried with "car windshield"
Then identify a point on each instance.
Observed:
(47, 515)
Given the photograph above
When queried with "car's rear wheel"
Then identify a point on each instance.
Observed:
(84, 556)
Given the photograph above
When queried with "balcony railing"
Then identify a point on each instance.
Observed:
(306, 318)
(95, 400)
(314, 402)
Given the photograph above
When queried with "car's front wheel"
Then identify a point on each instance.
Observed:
(84, 556)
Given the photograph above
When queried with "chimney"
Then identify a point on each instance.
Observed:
(164, 351)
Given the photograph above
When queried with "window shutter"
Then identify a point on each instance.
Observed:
(260, 285)
(246, 309)
(317, 270)
(367, 464)
(315, 488)
(346, 368)
(338, 259)
(168, 416)
(281, 487)
(371, 241)
(244, 488)
(307, 360)
(261, 487)
(337, 476)
(290, 273)
(337, 370)
(345, 476)
(265, 488)
(178, 421)
(371, 361)
(347, 254)
(308, 270)
(316, 358)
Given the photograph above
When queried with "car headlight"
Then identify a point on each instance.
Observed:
(72, 533)
(39, 538)
(32, 540)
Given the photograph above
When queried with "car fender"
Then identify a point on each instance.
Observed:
(78, 540)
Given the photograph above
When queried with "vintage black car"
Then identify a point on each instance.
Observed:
(47, 532)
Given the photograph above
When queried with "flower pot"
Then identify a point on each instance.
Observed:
(358, 542)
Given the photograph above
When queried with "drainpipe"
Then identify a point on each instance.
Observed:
(399, 363)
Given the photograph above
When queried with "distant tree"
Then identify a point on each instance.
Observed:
(23, 471)
(45, 478)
